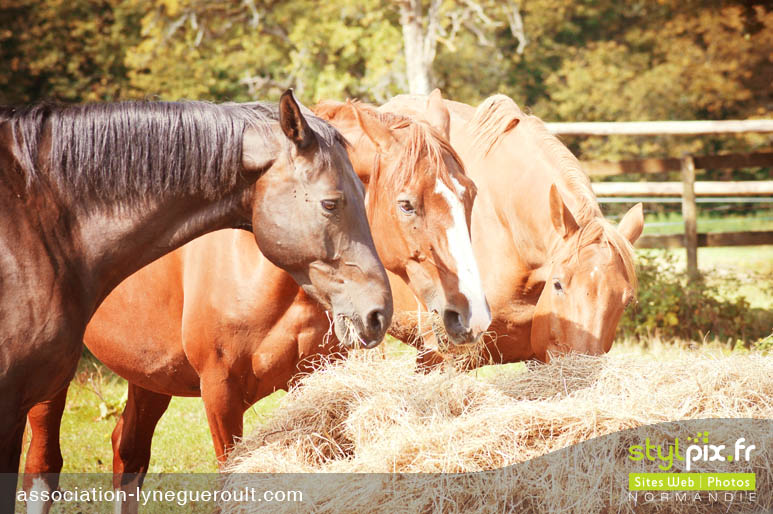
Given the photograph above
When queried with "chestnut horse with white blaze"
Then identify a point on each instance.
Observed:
(557, 275)
(217, 319)
(92, 193)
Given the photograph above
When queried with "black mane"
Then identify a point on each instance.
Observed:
(132, 149)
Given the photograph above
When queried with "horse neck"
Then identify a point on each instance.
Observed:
(513, 190)
(249, 269)
(247, 282)
(118, 239)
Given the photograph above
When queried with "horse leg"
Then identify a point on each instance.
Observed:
(44, 458)
(225, 406)
(10, 453)
(132, 437)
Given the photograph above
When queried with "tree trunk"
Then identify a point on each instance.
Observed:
(419, 47)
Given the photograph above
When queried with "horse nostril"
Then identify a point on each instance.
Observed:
(376, 321)
(453, 321)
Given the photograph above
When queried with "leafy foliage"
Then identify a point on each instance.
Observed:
(634, 60)
(672, 307)
(601, 60)
(227, 51)
(71, 50)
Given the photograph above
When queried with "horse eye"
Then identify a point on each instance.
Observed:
(557, 286)
(329, 205)
(406, 206)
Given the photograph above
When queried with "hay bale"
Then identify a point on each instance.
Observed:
(376, 415)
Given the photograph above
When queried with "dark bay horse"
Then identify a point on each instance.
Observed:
(216, 319)
(89, 194)
(557, 275)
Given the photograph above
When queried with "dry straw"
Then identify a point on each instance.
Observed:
(376, 415)
(426, 332)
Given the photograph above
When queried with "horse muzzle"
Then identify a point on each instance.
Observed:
(362, 333)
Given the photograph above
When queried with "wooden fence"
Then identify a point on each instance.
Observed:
(688, 189)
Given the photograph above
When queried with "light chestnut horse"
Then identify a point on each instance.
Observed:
(557, 275)
(217, 319)
(91, 193)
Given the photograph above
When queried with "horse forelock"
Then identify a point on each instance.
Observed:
(419, 142)
(108, 151)
(600, 231)
(424, 143)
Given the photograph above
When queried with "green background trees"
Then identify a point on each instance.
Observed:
(564, 59)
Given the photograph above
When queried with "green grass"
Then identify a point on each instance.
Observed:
(743, 259)
(182, 442)
(673, 223)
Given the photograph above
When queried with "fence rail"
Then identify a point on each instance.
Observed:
(704, 188)
(688, 189)
(715, 162)
(750, 238)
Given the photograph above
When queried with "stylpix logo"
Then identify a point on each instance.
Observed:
(700, 450)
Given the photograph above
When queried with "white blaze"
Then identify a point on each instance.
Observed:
(459, 245)
(460, 189)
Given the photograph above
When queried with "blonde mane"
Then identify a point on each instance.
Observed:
(422, 143)
(498, 115)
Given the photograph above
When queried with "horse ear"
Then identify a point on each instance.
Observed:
(293, 123)
(376, 131)
(632, 224)
(437, 113)
(562, 218)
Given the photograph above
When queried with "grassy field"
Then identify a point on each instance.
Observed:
(673, 223)
(182, 441)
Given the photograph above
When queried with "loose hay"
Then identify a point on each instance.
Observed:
(425, 332)
(369, 414)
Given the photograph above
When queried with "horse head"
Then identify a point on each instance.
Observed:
(586, 284)
(311, 186)
(419, 206)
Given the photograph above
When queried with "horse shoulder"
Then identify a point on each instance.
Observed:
(136, 331)
(295, 339)
(234, 299)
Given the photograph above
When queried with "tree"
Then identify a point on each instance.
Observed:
(585, 60)
(659, 61)
(419, 42)
(254, 49)
(69, 50)
(440, 22)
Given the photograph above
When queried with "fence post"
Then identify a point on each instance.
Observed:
(689, 213)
